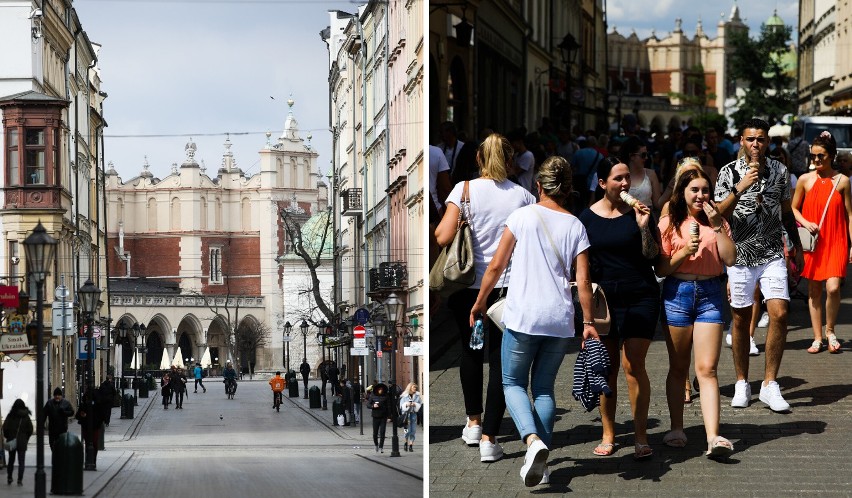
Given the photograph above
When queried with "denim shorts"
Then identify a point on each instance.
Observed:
(689, 301)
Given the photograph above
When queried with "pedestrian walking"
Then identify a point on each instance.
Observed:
(644, 184)
(107, 394)
(624, 246)
(753, 193)
(17, 429)
(379, 404)
(165, 389)
(324, 375)
(333, 374)
(177, 385)
(409, 403)
(198, 373)
(486, 203)
(57, 411)
(544, 241)
(357, 400)
(823, 205)
(696, 246)
(305, 370)
(89, 416)
(345, 395)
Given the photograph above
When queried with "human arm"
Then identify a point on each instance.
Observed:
(789, 222)
(498, 264)
(666, 194)
(443, 186)
(726, 198)
(845, 189)
(650, 234)
(584, 291)
(448, 226)
(656, 194)
(796, 204)
(726, 247)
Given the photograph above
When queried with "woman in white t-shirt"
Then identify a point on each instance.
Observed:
(492, 199)
(546, 240)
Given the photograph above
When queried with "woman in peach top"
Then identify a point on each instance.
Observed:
(696, 244)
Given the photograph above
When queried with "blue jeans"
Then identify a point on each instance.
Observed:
(542, 355)
(690, 301)
(411, 427)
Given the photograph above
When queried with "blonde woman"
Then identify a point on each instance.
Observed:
(492, 199)
(409, 404)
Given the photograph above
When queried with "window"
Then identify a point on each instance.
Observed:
(35, 156)
(12, 158)
(215, 265)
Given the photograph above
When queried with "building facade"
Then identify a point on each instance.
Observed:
(825, 58)
(51, 107)
(206, 262)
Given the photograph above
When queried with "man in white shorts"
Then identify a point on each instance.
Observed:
(753, 193)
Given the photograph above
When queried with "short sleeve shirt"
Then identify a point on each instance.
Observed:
(756, 226)
(706, 261)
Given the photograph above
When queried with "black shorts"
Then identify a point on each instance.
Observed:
(634, 308)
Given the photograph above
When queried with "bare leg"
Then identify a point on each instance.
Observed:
(607, 409)
(740, 340)
(815, 307)
(776, 337)
(679, 344)
(755, 311)
(707, 339)
(832, 303)
(638, 384)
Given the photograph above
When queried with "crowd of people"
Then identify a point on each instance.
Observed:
(670, 229)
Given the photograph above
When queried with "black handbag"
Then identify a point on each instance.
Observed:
(453, 270)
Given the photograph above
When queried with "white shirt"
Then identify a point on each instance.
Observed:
(539, 298)
(437, 164)
(491, 203)
(525, 161)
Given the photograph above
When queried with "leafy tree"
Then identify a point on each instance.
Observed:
(757, 67)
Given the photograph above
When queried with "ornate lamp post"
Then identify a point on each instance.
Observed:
(40, 248)
(89, 294)
(303, 327)
(323, 327)
(121, 334)
(569, 48)
(394, 308)
(288, 328)
(139, 343)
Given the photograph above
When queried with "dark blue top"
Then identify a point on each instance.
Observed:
(615, 254)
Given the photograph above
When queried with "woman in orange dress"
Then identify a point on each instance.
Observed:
(827, 263)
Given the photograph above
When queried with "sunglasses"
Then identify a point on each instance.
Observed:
(819, 156)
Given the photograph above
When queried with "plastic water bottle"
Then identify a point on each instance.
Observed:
(477, 337)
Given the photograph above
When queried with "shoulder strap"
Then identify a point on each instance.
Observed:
(552, 245)
(825, 210)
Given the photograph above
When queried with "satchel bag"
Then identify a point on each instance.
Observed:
(12, 444)
(809, 240)
(453, 270)
(601, 307)
(495, 311)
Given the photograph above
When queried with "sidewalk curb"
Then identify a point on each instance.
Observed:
(384, 463)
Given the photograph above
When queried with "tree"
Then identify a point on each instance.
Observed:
(249, 338)
(697, 101)
(757, 67)
(308, 238)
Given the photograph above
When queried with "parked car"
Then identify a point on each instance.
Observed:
(840, 128)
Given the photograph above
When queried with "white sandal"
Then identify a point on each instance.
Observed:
(833, 344)
(815, 348)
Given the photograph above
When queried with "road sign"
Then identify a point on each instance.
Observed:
(57, 317)
(15, 346)
(362, 316)
(359, 333)
(288, 338)
(416, 349)
(359, 351)
(378, 354)
(86, 350)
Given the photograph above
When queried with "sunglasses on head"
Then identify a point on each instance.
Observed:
(819, 156)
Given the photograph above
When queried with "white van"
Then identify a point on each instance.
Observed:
(839, 127)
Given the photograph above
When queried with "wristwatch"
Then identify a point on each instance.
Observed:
(736, 192)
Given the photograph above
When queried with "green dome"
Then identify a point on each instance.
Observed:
(312, 236)
(774, 20)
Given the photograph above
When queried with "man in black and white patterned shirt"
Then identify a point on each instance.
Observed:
(753, 193)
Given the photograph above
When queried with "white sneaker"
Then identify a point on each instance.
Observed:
(535, 462)
(728, 338)
(742, 394)
(764, 320)
(471, 434)
(490, 452)
(545, 478)
(771, 395)
(752, 351)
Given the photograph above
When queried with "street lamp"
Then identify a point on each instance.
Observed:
(89, 295)
(394, 308)
(40, 248)
(288, 329)
(304, 329)
(569, 48)
(321, 335)
(120, 332)
(139, 342)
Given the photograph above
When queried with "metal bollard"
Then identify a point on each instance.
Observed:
(67, 460)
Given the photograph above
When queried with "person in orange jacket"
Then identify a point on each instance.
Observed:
(277, 384)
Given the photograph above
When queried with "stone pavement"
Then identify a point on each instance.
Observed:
(111, 460)
(804, 452)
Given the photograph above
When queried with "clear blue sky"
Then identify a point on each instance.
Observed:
(206, 67)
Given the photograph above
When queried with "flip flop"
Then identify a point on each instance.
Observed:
(642, 452)
(720, 447)
(604, 449)
(833, 344)
(816, 347)
(675, 438)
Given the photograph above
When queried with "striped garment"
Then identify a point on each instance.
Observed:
(590, 372)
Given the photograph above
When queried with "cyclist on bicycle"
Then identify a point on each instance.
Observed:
(278, 384)
(230, 376)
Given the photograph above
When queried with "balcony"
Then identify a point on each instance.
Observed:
(352, 205)
(388, 277)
